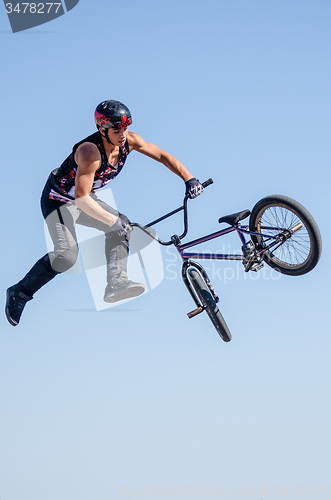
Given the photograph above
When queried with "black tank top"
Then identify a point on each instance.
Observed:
(60, 185)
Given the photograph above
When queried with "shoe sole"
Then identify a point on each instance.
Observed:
(9, 318)
(129, 293)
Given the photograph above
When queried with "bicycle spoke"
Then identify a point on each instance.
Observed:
(296, 249)
(289, 239)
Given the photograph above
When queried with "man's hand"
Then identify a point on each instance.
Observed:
(193, 187)
(122, 226)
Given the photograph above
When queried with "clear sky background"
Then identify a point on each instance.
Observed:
(105, 405)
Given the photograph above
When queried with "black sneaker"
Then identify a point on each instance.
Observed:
(15, 304)
(127, 291)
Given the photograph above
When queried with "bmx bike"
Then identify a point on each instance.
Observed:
(280, 233)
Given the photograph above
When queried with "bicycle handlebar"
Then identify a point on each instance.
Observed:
(175, 237)
(207, 183)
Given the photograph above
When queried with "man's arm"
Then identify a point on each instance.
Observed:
(147, 148)
(88, 160)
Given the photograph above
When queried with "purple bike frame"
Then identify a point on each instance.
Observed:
(181, 247)
(241, 231)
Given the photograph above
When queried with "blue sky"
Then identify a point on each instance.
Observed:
(136, 397)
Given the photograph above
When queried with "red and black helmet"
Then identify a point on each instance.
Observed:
(112, 114)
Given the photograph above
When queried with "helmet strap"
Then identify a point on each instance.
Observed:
(107, 136)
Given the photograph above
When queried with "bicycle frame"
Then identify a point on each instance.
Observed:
(203, 255)
(254, 245)
(240, 229)
(251, 255)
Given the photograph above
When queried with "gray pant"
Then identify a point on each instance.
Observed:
(61, 225)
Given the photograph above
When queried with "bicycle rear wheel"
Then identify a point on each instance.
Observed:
(300, 252)
(209, 304)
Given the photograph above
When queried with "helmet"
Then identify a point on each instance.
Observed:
(112, 114)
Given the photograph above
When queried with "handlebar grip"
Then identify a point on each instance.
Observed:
(207, 183)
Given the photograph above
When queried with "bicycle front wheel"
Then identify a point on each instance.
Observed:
(209, 304)
(277, 214)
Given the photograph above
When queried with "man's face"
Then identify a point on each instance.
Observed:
(118, 135)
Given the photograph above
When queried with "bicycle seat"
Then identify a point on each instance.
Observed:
(233, 219)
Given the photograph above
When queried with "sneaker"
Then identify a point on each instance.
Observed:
(127, 291)
(15, 304)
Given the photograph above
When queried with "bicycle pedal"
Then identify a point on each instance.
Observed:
(256, 267)
(252, 265)
(196, 311)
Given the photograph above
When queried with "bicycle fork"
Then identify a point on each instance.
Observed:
(200, 307)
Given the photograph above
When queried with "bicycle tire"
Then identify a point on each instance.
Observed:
(209, 304)
(300, 253)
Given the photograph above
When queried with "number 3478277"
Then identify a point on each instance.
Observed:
(32, 8)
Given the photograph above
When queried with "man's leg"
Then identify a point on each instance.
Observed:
(60, 224)
(119, 287)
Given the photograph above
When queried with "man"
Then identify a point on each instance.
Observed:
(69, 198)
